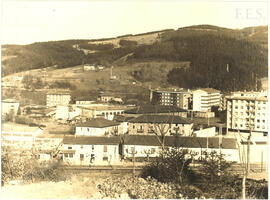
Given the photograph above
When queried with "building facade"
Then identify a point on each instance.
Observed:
(85, 150)
(160, 125)
(10, 106)
(58, 98)
(247, 113)
(203, 99)
(179, 98)
(97, 127)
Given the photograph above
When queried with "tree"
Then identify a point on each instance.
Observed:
(28, 81)
(172, 165)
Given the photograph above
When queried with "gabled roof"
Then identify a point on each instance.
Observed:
(180, 141)
(98, 123)
(166, 119)
(13, 127)
(92, 140)
(147, 109)
(10, 101)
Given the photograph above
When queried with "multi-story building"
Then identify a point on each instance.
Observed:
(58, 98)
(247, 113)
(179, 98)
(160, 125)
(204, 98)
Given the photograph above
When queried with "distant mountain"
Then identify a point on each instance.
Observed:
(222, 58)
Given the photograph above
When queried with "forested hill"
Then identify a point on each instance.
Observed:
(209, 49)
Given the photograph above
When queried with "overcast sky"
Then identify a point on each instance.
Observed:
(24, 22)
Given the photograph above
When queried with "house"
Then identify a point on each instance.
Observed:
(97, 127)
(67, 112)
(58, 98)
(124, 121)
(204, 98)
(109, 98)
(48, 146)
(19, 135)
(90, 150)
(155, 110)
(84, 102)
(247, 113)
(171, 97)
(150, 146)
(160, 125)
(10, 106)
(88, 67)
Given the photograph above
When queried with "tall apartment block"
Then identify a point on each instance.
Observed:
(179, 98)
(247, 112)
(205, 98)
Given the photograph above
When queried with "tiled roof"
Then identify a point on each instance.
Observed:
(98, 123)
(147, 109)
(180, 141)
(121, 118)
(167, 119)
(96, 140)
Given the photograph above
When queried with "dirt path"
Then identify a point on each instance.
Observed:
(76, 188)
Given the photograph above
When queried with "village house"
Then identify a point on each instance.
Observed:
(10, 106)
(97, 127)
(160, 125)
(150, 146)
(19, 136)
(90, 150)
(58, 98)
(155, 110)
(88, 67)
(124, 121)
(108, 98)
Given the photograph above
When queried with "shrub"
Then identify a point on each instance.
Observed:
(172, 165)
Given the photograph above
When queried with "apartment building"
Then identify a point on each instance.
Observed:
(247, 113)
(204, 98)
(179, 98)
(58, 98)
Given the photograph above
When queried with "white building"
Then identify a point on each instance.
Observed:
(87, 150)
(58, 98)
(10, 106)
(150, 146)
(88, 67)
(205, 98)
(19, 136)
(247, 113)
(97, 127)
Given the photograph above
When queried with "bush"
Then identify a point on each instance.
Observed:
(171, 166)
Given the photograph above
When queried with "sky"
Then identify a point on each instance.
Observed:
(28, 21)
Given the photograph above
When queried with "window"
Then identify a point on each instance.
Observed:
(69, 147)
(105, 148)
(81, 146)
(71, 155)
(81, 157)
(236, 107)
(93, 147)
(66, 155)
(258, 120)
(133, 126)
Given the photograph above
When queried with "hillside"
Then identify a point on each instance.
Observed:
(207, 50)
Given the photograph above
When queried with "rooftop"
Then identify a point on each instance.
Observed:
(180, 141)
(248, 98)
(121, 118)
(98, 123)
(13, 127)
(10, 101)
(209, 90)
(147, 109)
(60, 92)
(113, 140)
(166, 119)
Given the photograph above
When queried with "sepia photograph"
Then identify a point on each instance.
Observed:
(135, 99)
